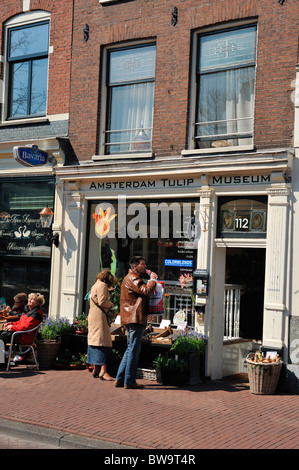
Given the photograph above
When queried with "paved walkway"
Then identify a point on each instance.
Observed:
(211, 415)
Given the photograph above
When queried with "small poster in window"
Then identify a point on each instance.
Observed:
(201, 286)
(155, 299)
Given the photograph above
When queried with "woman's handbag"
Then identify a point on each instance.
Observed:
(108, 314)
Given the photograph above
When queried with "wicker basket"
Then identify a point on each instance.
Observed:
(47, 352)
(263, 378)
(147, 374)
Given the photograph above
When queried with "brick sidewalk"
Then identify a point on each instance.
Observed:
(211, 415)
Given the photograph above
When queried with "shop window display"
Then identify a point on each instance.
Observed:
(161, 231)
(24, 252)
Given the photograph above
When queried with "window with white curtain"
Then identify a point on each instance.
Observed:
(130, 99)
(225, 88)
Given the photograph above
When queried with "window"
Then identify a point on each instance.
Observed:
(225, 88)
(154, 228)
(25, 254)
(21, 234)
(27, 58)
(130, 95)
(242, 217)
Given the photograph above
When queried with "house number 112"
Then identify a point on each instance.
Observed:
(242, 223)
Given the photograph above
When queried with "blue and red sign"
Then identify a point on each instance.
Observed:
(30, 156)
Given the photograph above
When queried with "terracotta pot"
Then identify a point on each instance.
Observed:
(75, 366)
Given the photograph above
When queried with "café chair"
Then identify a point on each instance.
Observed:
(15, 347)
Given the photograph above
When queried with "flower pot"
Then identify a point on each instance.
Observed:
(47, 351)
(159, 375)
(65, 342)
(194, 368)
(75, 366)
(165, 376)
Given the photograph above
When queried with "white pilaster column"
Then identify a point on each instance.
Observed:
(203, 214)
(57, 253)
(276, 262)
(72, 249)
(204, 217)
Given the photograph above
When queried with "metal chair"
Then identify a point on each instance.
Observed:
(13, 346)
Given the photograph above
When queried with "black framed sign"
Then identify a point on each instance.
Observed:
(21, 233)
(201, 282)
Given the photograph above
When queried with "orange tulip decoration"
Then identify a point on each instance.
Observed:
(102, 225)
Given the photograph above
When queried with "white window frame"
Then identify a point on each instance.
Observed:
(21, 20)
(191, 150)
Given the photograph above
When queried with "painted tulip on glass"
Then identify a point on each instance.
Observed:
(102, 225)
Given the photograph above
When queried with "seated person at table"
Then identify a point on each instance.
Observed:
(20, 305)
(30, 319)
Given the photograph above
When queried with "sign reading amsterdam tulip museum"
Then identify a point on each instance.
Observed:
(30, 155)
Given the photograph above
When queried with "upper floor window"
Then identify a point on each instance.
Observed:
(130, 99)
(27, 59)
(225, 88)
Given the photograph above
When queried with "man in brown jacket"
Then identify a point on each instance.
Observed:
(133, 314)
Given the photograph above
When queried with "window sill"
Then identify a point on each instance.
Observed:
(19, 122)
(118, 156)
(194, 152)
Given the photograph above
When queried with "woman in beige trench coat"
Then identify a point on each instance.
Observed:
(99, 337)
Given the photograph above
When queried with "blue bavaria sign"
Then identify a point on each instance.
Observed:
(30, 156)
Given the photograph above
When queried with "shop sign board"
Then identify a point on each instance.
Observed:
(21, 234)
(166, 183)
(177, 183)
(30, 156)
(240, 179)
(182, 263)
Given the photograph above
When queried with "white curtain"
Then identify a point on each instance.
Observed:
(226, 98)
(131, 111)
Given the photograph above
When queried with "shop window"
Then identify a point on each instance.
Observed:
(130, 99)
(225, 82)
(21, 234)
(27, 63)
(160, 231)
(24, 275)
(25, 262)
(242, 217)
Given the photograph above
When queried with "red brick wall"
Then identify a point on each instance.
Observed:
(125, 21)
(60, 38)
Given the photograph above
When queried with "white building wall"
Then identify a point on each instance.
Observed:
(293, 333)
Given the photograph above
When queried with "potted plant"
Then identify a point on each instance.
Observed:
(171, 371)
(83, 359)
(50, 338)
(160, 364)
(82, 326)
(181, 372)
(75, 363)
(81, 316)
(190, 346)
(63, 360)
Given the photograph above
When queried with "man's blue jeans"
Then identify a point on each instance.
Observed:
(127, 371)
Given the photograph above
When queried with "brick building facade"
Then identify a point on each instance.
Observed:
(122, 22)
(35, 61)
